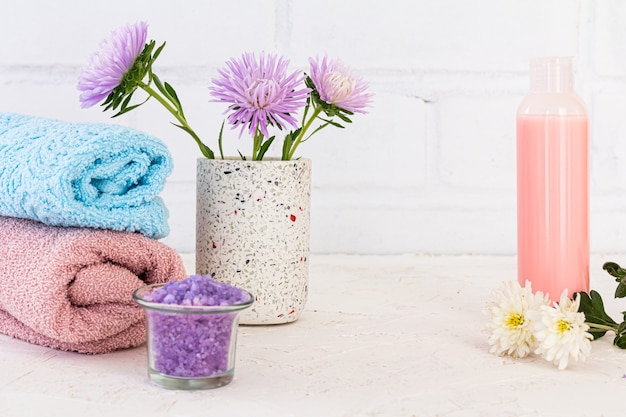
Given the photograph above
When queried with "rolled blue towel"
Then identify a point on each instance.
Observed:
(82, 174)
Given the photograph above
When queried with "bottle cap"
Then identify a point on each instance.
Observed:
(551, 75)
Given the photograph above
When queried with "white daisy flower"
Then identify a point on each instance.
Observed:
(509, 322)
(562, 332)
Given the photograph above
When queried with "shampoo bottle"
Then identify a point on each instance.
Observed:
(553, 182)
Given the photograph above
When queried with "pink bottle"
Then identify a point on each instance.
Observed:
(553, 182)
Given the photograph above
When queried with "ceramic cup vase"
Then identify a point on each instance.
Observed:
(253, 231)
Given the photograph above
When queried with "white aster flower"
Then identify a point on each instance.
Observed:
(510, 324)
(562, 332)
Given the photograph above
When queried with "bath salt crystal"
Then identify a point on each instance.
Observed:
(191, 345)
(198, 290)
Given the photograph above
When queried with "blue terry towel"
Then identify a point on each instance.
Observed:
(82, 174)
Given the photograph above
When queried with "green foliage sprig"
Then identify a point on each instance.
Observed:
(596, 317)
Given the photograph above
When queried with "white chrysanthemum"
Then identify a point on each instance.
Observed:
(509, 322)
(562, 333)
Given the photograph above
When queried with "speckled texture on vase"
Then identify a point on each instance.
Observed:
(253, 231)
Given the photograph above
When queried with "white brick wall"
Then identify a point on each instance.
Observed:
(430, 169)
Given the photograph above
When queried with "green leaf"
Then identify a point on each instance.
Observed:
(290, 138)
(620, 276)
(108, 103)
(614, 269)
(593, 307)
(108, 99)
(127, 101)
(620, 336)
(306, 107)
(169, 93)
(264, 147)
(206, 151)
(147, 50)
(308, 81)
(117, 100)
(127, 109)
(344, 117)
(158, 51)
(219, 140)
(286, 145)
(620, 341)
(158, 84)
(320, 127)
(330, 122)
(174, 98)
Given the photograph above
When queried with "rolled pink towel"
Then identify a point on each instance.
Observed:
(71, 288)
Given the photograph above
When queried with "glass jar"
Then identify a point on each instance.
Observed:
(190, 347)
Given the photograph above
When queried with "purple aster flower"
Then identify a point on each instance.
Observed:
(108, 66)
(260, 92)
(336, 85)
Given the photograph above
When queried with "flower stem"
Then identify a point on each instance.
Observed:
(179, 116)
(256, 145)
(306, 127)
(602, 327)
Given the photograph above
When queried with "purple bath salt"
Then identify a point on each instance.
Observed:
(198, 290)
(188, 344)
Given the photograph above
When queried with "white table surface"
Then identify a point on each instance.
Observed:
(381, 336)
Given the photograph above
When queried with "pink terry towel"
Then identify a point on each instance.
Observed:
(71, 288)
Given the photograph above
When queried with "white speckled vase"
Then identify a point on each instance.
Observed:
(253, 231)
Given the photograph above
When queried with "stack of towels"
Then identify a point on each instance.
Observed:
(80, 217)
